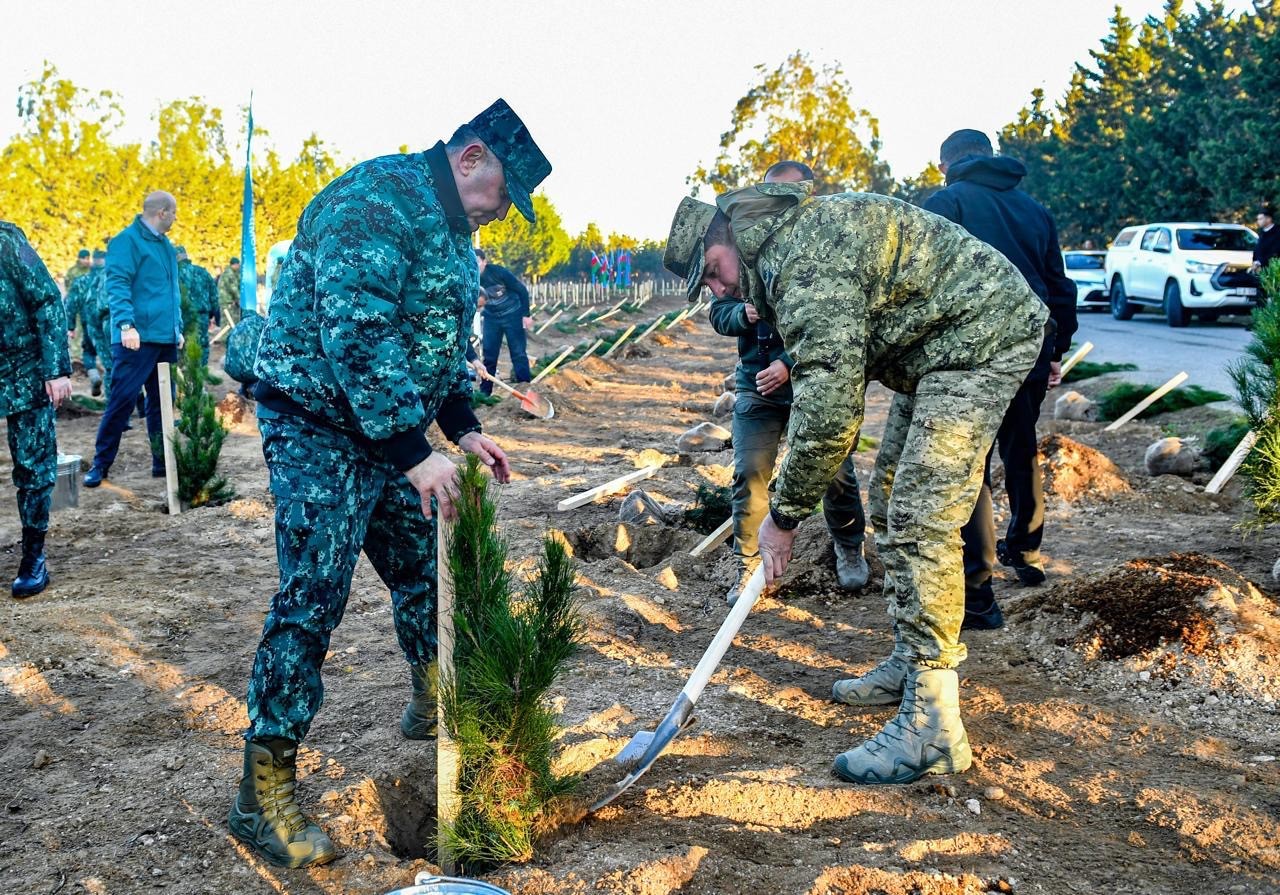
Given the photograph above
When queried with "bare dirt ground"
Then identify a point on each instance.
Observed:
(1103, 762)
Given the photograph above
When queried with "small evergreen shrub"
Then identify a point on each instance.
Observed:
(1220, 442)
(1117, 401)
(1088, 369)
(199, 437)
(711, 506)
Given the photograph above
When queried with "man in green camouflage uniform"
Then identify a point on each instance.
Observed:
(364, 347)
(202, 296)
(863, 287)
(96, 314)
(34, 370)
(80, 297)
(229, 291)
(84, 263)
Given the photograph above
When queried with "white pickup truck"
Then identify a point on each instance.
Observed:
(1182, 269)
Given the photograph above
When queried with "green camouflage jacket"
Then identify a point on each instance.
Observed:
(81, 296)
(33, 325)
(369, 321)
(202, 291)
(862, 287)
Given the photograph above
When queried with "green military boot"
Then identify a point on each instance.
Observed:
(265, 815)
(419, 719)
(926, 737)
(881, 685)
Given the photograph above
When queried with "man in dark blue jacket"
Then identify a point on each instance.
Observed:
(505, 314)
(982, 196)
(146, 326)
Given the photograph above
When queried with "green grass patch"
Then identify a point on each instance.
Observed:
(1124, 396)
(1088, 369)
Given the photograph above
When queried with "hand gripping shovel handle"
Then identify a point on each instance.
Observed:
(681, 711)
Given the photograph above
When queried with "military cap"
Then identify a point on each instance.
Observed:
(234, 260)
(99, 254)
(523, 163)
(83, 253)
(684, 256)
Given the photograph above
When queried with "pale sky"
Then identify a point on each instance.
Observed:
(624, 98)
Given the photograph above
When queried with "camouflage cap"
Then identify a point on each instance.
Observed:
(522, 161)
(684, 256)
(99, 254)
(83, 253)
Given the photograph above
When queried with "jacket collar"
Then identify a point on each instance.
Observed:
(447, 189)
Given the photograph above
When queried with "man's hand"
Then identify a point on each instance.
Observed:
(436, 477)
(775, 549)
(1055, 374)
(130, 340)
(772, 378)
(528, 322)
(489, 453)
(182, 342)
(58, 389)
(750, 310)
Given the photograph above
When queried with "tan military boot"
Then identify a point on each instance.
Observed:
(926, 736)
(265, 815)
(419, 719)
(881, 685)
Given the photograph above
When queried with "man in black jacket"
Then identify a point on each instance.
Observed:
(505, 314)
(1268, 246)
(981, 195)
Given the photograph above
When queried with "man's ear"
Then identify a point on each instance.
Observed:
(472, 158)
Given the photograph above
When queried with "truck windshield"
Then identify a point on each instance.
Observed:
(1211, 239)
(1077, 261)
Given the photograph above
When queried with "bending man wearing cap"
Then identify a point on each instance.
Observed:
(864, 287)
(365, 347)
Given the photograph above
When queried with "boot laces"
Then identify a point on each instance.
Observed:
(277, 801)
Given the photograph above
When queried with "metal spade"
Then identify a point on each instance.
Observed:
(530, 401)
(645, 747)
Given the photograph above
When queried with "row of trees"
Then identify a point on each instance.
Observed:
(1172, 119)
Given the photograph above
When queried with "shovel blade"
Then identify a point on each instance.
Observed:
(633, 751)
(533, 403)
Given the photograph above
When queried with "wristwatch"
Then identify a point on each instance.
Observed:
(125, 327)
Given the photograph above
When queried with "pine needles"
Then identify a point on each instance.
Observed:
(1086, 369)
(1256, 376)
(511, 645)
(711, 506)
(1121, 398)
(198, 440)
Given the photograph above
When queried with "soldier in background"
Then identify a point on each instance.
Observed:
(81, 268)
(364, 347)
(35, 367)
(864, 287)
(229, 291)
(80, 297)
(202, 297)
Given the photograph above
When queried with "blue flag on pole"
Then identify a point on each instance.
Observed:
(248, 271)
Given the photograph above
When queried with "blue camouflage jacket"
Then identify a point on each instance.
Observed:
(369, 321)
(33, 325)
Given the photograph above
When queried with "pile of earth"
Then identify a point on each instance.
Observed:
(1183, 622)
(1074, 472)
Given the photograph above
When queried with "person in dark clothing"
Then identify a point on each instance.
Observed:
(982, 196)
(505, 314)
(1268, 246)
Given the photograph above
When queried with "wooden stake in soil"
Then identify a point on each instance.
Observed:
(448, 801)
(1223, 475)
(166, 423)
(618, 344)
(590, 351)
(550, 320)
(1149, 400)
(551, 366)
(652, 326)
(715, 539)
(1076, 358)
(217, 337)
(608, 487)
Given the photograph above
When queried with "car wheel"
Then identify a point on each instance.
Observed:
(1120, 307)
(1173, 309)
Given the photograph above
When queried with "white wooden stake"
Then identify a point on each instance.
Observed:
(608, 487)
(551, 366)
(618, 344)
(448, 800)
(715, 539)
(217, 337)
(1223, 475)
(590, 351)
(677, 318)
(1076, 358)
(550, 320)
(166, 423)
(1148, 401)
(652, 326)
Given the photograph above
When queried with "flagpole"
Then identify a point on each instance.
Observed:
(248, 267)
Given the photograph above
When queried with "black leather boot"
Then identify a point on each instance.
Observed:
(33, 575)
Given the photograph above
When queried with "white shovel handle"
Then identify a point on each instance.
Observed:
(724, 637)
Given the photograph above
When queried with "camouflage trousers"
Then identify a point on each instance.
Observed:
(924, 488)
(33, 445)
(333, 497)
(102, 344)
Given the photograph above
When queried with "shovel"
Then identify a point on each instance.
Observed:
(645, 747)
(530, 401)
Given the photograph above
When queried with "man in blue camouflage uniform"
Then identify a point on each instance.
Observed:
(96, 316)
(864, 287)
(762, 382)
(202, 296)
(35, 367)
(80, 297)
(363, 348)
